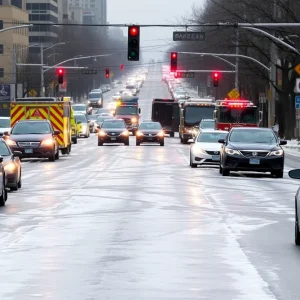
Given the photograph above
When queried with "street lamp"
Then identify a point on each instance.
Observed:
(15, 27)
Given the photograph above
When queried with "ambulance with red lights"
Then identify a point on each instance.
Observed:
(236, 113)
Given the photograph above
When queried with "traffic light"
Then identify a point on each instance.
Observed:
(107, 73)
(173, 61)
(60, 73)
(216, 79)
(133, 43)
(122, 67)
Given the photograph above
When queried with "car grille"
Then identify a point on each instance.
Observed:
(213, 152)
(28, 144)
(113, 134)
(128, 121)
(255, 153)
(150, 134)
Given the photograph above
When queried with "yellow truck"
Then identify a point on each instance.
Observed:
(55, 110)
(75, 127)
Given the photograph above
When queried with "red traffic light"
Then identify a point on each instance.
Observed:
(60, 71)
(174, 55)
(122, 67)
(134, 31)
(107, 73)
(216, 75)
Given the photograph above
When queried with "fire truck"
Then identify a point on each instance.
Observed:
(236, 113)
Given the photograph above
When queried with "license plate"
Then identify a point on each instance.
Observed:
(216, 157)
(150, 139)
(254, 161)
(28, 150)
(113, 139)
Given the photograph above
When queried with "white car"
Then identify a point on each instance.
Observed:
(206, 148)
(4, 125)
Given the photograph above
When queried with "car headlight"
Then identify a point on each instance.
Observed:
(102, 133)
(11, 167)
(11, 142)
(125, 133)
(89, 102)
(100, 101)
(232, 152)
(198, 150)
(161, 134)
(139, 133)
(47, 142)
(134, 120)
(276, 153)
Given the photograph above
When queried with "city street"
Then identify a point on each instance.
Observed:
(117, 222)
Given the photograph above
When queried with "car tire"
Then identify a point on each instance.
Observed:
(57, 154)
(172, 134)
(220, 169)
(225, 172)
(297, 234)
(14, 188)
(278, 174)
(74, 140)
(3, 197)
(191, 164)
(162, 143)
(52, 157)
(20, 181)
(137, 143)
(126, 143)
(100, 143)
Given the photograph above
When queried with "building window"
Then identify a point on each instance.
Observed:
(1, 49)
(1, 72)
(1, 24)
(1, 2)
(17, 3)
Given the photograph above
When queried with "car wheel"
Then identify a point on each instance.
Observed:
(278, 174)
(3, 197)
(137, 143)
(297, 234)
(20, 181)
(225, 172)
(220, 169)
(57, 154)
(162, 143)
(52, 157)
(126, 143)
(74, 140)
(100, 143)
(192, 165)
(172, 134)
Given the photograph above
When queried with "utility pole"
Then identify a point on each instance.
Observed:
(273, 55)
(42, 72)
(237, 52)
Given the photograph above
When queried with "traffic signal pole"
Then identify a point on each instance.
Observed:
(42, 92)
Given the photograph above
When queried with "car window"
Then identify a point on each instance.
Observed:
(32, 128)
(81, 118)
(207, 124)
(253, 136)
(79, 107)
(4, 150)
(211, 137)
(153, 125)
(113, 124)
(5, 123)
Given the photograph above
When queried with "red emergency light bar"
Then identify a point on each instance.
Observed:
(236, 103)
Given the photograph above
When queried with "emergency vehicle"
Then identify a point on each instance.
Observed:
(55, 110)
(236, 113)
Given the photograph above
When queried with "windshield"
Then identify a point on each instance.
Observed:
(126, 110)
(4, 151)
(79, 107)
(81, 118)
(211, 137)
(113, 124)
(31, 128)
(94, 95)
(5, 123)
(207, 124)
(252, 136)
(102, 110)
(246, 115)
(92, 117)
(194, 114)
(101, 119)
(154, 126)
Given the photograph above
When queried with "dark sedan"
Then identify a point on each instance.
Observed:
(150, 132)
(3, 182)
(34, 139)
(113, 131)
(12, 166)
(252, 149)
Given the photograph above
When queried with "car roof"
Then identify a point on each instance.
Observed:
(207, 120)
(4, 118)
(115, 120)
(31, 120)
(252, 128)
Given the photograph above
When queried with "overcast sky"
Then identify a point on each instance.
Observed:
(153, 40)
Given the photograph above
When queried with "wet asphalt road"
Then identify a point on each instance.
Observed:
(128, 223)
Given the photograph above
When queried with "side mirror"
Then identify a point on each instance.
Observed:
(56, 132)
(295, 174)
(6, 133)
(260, 116)
(17, 153)
(281, 143)
(221, 141)
(139, 110)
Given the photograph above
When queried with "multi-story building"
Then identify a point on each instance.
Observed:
(13, 43)
(43, 11)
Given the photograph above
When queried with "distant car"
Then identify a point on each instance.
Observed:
(207, 124)
(85, 128)
(34, 139)
(252, 149)
(92, 122)
(150, 132)
(101, 118)
(12, 166)
(206, 148)
(295, 174)
(113, 131)
(95, 99)
(102, 110)
(4, 125)
(81, 108)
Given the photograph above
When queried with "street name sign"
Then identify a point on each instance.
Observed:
(188, 36)
(297, 102)
(185, 75)
(89, 71)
